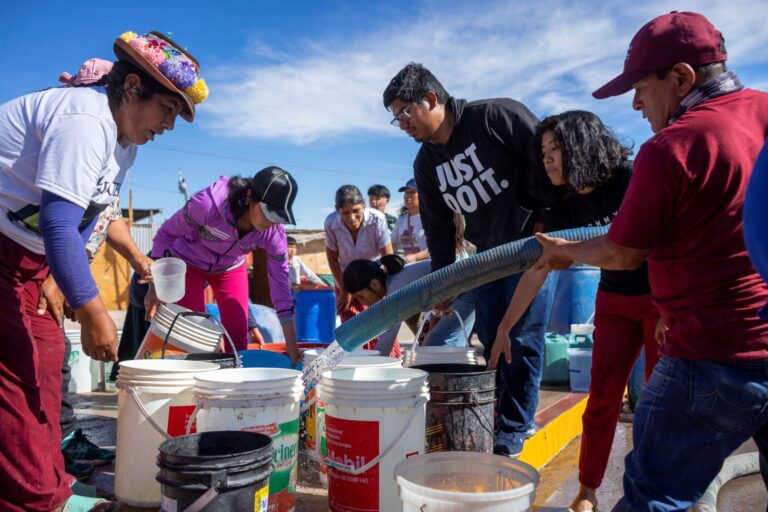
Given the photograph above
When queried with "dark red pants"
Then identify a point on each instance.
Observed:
(355, 308)
(32, 476)
(623, 325)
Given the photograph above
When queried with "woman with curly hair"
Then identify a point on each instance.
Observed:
(581, 173)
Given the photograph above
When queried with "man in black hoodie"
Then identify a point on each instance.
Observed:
(474, 160)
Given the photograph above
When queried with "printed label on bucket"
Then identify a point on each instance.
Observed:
(261, 499)
(310, 425)
(285, 445)
(178, 416)
(353, 444)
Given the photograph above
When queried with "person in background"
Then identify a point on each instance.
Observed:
(408, 236)
(298, 269)
(378, 199)
(354, 232)
(582, 173)
(474, 160)
(64, 153)
(682, 212)
(214, 231)
(370, 281)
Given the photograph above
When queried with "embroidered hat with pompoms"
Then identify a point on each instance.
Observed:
(175, 69)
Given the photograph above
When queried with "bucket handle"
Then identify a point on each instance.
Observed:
(426, 319)
(210, 317)
(192, 418)
(133, 391)
(305, 407)
(362, 469)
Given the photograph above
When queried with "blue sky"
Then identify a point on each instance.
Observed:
(298, 84)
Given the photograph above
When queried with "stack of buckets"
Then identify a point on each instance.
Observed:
(190, 334)
(439, 355)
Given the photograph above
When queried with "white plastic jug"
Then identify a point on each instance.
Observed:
(169, 278)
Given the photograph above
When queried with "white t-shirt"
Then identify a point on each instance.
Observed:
(64, 141)
(408, 236)
(297, 268)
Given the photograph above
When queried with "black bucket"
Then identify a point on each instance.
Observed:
(460, 408)
(222, 359)
(229, 469)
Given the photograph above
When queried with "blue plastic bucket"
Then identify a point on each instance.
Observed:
(266, 359)
(315, 315)
(574, 300)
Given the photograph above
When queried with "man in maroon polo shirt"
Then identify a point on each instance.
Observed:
(709, 392)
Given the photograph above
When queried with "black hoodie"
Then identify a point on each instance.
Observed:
(481, 173)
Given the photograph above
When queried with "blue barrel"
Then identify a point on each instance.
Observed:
(574, 300)
(315, 315)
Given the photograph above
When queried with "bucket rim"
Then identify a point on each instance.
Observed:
(166, 366)
(249, 376)
(458, 460)
(375, 375)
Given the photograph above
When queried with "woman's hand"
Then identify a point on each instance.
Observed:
(140, 265)
(256, 336)
(151, 303)
(98, 332)
(343, 300)
(501, 345)
(290, 340)
(52, 299)
(661, 332)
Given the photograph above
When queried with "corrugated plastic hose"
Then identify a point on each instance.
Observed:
(448, 282)
(734, 466)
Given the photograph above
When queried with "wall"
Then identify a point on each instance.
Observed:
(112, 274)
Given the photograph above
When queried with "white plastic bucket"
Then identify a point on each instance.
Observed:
(264, 400)
(313, 353)
(580, 368)
(314, 421)
(462, 481)
(84, 371)
(367, 437)
(189, 335)
(439, 355)
(154, 403)
(169, 278)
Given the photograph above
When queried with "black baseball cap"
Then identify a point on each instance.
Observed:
(275, 190)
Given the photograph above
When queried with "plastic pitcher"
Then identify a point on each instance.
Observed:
(168, 275)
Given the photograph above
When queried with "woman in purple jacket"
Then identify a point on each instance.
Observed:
(216, 229)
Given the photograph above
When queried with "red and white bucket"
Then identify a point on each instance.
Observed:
(374, 418)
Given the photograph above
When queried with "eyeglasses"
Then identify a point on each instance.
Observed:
(403, 116)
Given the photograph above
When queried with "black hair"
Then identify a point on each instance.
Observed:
(115, 79)
(348, 194)
(590, 153)
(359, 273)
(411, 84)
(238, 195)
(378, 191)
(291, 241)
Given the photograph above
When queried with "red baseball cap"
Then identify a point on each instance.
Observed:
(663, 42)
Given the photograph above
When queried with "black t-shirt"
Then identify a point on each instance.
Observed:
(481, 172)
(598, 208)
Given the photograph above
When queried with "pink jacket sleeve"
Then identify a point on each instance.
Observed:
(276, 248)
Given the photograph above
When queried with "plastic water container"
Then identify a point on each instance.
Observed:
(265, 359)
(444, 354)
(374, 418)
(462, 481)
(580, 368)
(581, 336)
(315, 315)
(154, 404)
(169, 278)
(189, 335)
(85, 373)
(574, 299)
(266, 401)
(555, 359)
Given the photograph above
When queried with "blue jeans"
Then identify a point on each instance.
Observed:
(690, 417)
(447, 332)
(517, 383)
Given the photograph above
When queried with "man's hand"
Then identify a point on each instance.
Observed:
(140, 265)
(98, 332)
(553, 255)
(51, 299)
(442, 309)
(501, 345)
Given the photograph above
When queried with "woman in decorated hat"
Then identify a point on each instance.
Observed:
(64, 153)
(214, 232)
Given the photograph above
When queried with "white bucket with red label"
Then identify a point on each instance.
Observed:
(374, 418)
(263, 400)
(154, 404)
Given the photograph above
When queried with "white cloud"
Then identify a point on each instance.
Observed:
(550, 55)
